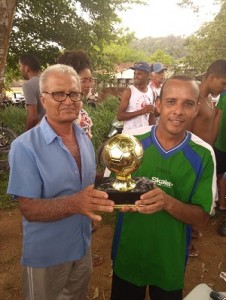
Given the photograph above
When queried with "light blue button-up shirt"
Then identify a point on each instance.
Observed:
(42, 167)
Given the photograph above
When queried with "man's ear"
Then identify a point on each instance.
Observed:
(197, 108)
(42, 99)
(26, 68)
(158, 105)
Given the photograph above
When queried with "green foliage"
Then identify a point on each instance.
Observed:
(102, 118)
(13, 118)
(208, 43)
(46, 27)
(6, 201)
(160, 56)
(124, 53)
(171, 45)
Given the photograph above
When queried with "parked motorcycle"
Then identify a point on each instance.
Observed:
(116, 127)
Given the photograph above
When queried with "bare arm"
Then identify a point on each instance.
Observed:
(152, 119)
(216, 123)
(123, 115)
(32, 116)
(48, 210)
(157, 200)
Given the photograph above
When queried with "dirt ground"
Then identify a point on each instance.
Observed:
(203, 269)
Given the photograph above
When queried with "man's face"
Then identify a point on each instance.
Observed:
(159, 77)
(86, 81)
(23, 70)
(60, 112)
(178, 106)
(140, 77)
(217, 84)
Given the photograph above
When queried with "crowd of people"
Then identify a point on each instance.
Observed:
(53, 170)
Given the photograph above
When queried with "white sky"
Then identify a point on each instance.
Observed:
(163, 17)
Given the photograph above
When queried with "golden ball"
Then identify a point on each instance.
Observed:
(122, 154)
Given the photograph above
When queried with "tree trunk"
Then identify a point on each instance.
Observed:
(7, 9)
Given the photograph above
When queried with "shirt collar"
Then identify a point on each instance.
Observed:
(49, 134)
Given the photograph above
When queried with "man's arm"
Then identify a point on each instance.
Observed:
(49, 210)
(32, 116)
(216, 123)
(123, 115)
(157, 200)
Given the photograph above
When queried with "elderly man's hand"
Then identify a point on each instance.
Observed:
(91, 200)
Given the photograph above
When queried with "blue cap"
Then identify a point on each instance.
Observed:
(142, 66)
(158, 67)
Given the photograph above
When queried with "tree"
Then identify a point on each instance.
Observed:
(7, 9)
(47, 27)
(208, 43)
(160, 56)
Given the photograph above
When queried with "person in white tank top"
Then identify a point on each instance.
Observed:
(136, 108)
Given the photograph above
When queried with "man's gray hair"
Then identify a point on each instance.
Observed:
(58, 68)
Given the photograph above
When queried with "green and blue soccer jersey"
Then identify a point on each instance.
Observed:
(220, 143)
(151, 249)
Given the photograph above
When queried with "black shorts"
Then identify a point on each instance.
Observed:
(221, 161)
(122, 290)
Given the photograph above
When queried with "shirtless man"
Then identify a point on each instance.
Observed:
(213, 83)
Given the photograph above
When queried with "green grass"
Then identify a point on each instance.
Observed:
(14, 118)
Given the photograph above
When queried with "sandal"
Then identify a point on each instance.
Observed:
(192, 252)
(97, 260)
(195, 234)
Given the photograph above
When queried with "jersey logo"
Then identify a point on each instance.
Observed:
(162, 182)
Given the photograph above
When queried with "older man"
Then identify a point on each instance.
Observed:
(157, 78)
(52, 169)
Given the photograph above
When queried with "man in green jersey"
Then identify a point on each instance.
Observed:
(220, 148)
(151, 239)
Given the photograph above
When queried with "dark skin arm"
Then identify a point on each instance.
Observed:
(157, 200)
(216, 123)
(85, 202)
(32, 116)
(123, 115)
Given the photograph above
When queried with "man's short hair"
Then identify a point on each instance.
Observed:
(181, 77)
(78, 59)
(218, 68)
(58, 68)
(30, 60)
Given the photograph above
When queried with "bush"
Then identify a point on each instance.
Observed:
(102, 117)
(14, 118)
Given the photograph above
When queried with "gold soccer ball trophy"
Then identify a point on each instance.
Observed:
(122, 155)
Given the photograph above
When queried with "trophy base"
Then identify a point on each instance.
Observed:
(143, 185)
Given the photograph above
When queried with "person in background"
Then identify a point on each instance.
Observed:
(157, 78)
(30, 70)
(55, 193)
(220, 149)
(79, 60)
(151, 239)
(136, 107)
(213, 83)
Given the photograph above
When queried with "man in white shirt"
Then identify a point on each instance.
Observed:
(136, 108)
(157, 78)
